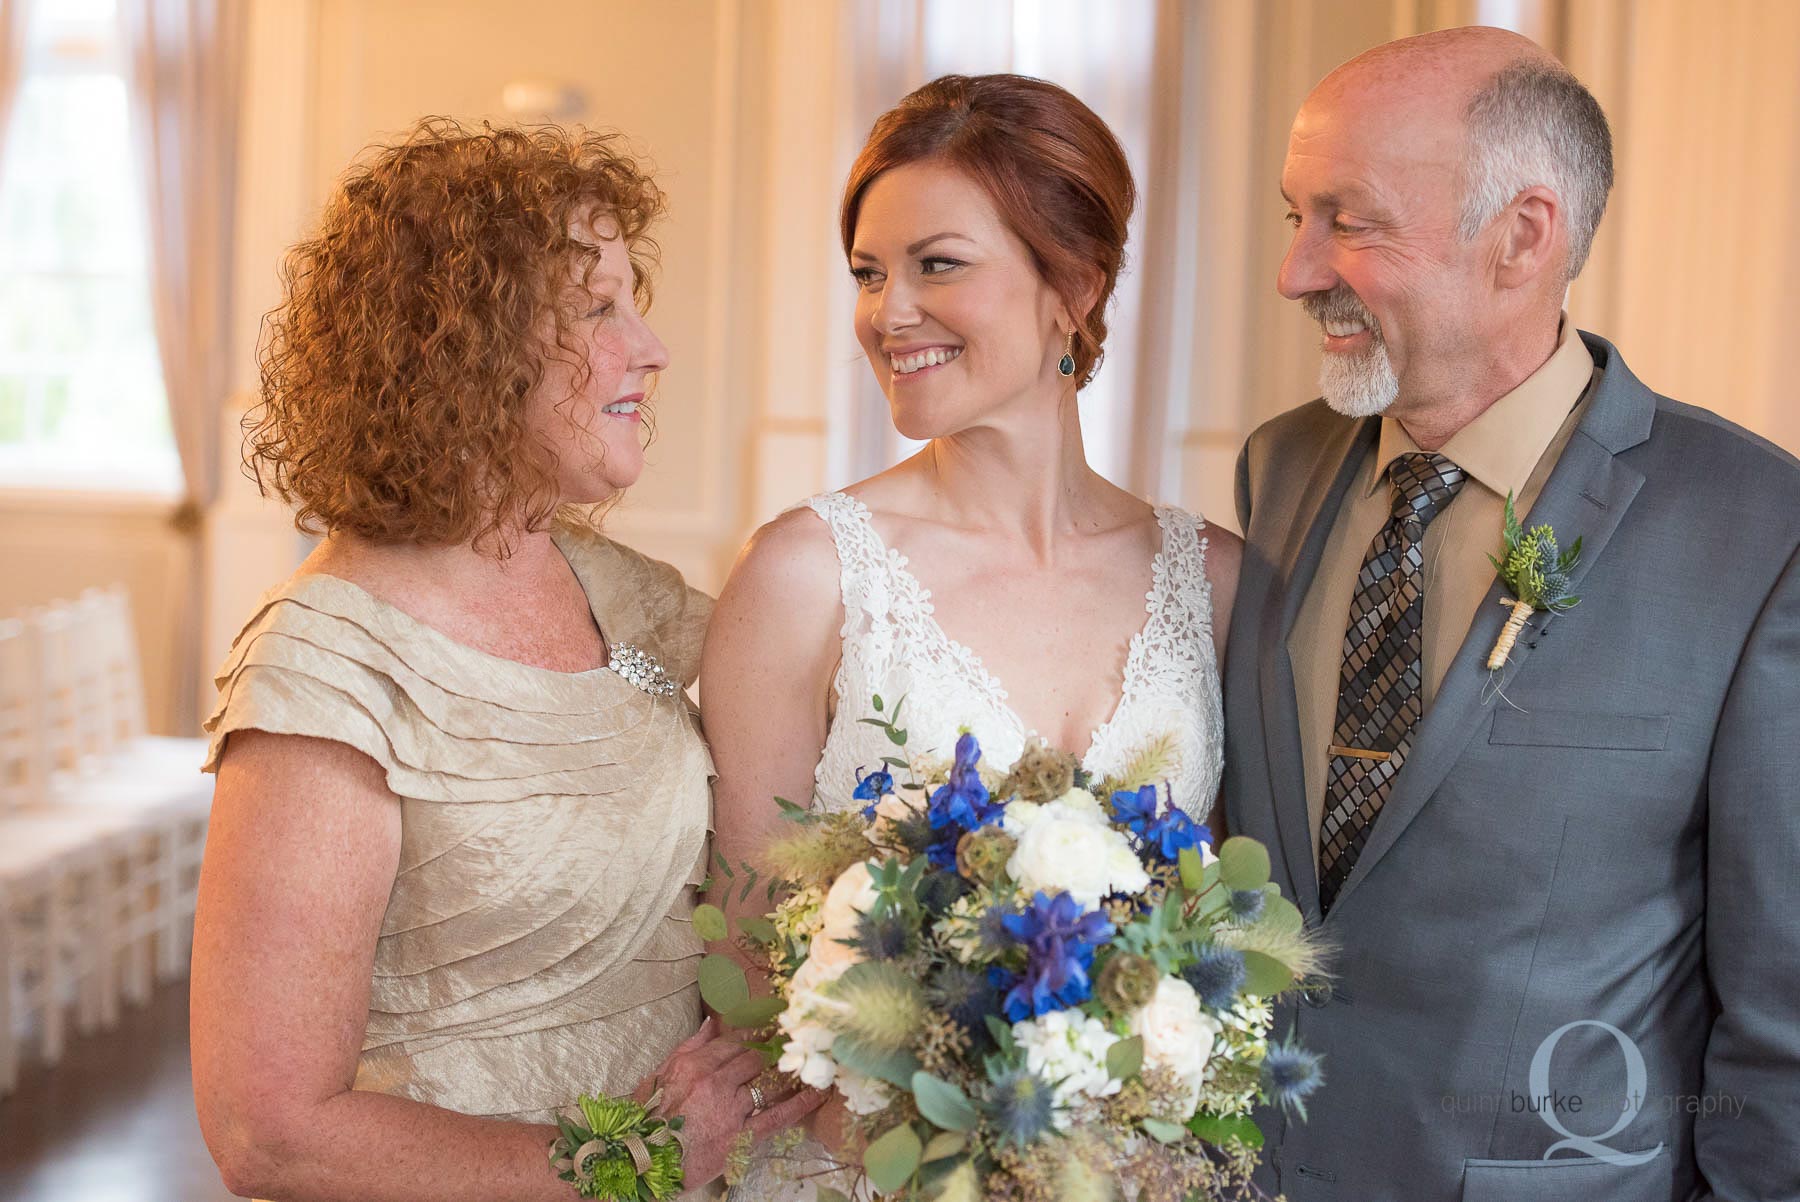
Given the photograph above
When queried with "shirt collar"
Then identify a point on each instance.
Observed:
(1502, 446)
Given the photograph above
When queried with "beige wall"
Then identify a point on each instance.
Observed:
(752, 110)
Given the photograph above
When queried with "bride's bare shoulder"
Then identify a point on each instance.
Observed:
(786, 573)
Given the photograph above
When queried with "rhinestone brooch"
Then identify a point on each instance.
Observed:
(640, 670)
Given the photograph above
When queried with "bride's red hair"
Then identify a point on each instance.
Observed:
(1054, 170)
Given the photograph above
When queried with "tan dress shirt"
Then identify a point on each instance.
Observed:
(1511, 447)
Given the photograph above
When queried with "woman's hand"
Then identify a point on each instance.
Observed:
(707, 1081)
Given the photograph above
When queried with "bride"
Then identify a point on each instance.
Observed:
(994, 579)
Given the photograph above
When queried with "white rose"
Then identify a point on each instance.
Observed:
(1061, 850)
(1018, 816)
(851, 895)
(1178, 1035)
(1083, 804)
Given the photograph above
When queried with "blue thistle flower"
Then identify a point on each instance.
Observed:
(1246, 905)
(889, 937)
(967, 997)
(1022, 1107)
(1217, 976)
(872, 787)
(1290, 1074)
(1060, 941)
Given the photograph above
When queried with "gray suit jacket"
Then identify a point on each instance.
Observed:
(1616, 841)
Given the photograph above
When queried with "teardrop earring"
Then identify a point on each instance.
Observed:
(1065, 366)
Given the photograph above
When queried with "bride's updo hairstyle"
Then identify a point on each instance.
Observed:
(1053, 169)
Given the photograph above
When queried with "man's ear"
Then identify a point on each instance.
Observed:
(1533, 238)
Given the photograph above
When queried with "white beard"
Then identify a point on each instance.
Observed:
(1359, 385)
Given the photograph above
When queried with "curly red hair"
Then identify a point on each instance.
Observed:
(397, 369)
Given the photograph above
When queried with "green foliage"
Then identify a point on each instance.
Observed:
(1532, 567)
(723, 985)
(709, 923)
(944, 1104)
(1221, 1131)
(1125, 1059)
(1243, 863)
(894, 1158)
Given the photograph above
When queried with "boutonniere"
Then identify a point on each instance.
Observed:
(1536, 573)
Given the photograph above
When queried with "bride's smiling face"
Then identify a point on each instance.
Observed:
(958, 325)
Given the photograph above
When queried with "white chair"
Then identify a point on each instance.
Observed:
(57, 907)
(21, 754)
(157, 774)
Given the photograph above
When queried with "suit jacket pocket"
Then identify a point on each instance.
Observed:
(1568, 1180)
(1580, 728)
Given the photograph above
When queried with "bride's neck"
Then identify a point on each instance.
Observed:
(1028, 479)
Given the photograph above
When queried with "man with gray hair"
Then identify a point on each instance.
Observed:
(1559, 869)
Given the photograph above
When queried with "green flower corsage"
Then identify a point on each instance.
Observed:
(618, 1151)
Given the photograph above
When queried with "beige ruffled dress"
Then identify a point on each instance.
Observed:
(537, 943)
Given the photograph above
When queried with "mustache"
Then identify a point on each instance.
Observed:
(1340, 304)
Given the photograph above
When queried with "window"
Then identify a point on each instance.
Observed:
(81, 392)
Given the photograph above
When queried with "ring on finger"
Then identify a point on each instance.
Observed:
(758, 1103)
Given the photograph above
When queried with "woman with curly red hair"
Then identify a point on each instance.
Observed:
(984, 224)
(462, 802)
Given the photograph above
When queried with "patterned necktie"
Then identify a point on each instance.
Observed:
(1379, 693)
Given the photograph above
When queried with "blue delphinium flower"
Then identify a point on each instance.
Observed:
(1135, 811)
(961, 805)
(1175, 831)
(1060, 941)
(1166, 834)
(872, 787)
(1290, 1074)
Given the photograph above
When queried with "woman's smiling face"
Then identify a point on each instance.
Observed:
(956, 321)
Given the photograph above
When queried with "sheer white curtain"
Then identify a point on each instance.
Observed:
(185, 70)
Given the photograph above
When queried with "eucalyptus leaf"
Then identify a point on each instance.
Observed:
(710, 924)
(896, 1068)
(759, 928)
(1163, 1131)
(892, 1159)
(944, 1144)
(1279, 914)
(1125, 1058)
(722, 983)
(1215, 1130)
(757, 1012)
(1243, 863)
(1265, 976)
(943, 1104)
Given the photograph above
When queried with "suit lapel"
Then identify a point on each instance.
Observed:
(1322, 498)
(1586, 495)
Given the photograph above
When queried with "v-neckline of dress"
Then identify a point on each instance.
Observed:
(976, 668)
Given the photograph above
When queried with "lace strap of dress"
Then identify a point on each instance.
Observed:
(863, 577)
(1184, 575)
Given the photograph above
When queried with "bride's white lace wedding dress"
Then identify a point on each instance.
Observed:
(894, 647)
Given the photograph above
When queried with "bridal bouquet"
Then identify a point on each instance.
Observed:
(1025, 984)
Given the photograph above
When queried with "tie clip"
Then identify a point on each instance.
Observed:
(1357, 753)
